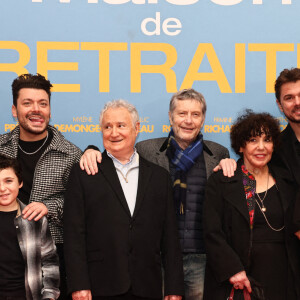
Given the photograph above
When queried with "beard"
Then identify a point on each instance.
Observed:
(294, 119)
(26, 125)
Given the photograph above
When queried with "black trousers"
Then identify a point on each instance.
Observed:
(12, 298)
(127, 296)
(63, 276)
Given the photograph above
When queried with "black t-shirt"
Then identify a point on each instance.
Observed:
(12, 265)
(28, 163)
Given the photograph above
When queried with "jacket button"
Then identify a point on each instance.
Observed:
(130, 226)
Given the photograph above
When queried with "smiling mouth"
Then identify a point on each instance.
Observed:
(36, 119)
(118, 141)
(296, 110)
(260, 156)
(187, 129)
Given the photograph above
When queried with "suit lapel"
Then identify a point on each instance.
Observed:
(209, 159)
(145, 172)
(284, 184)
(109, 172)
(285, 194)
(234, 193)
(162, 160)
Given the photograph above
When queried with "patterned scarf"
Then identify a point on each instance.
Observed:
(183, 160)
(249, 187)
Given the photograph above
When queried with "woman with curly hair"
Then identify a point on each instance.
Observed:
(249, 235)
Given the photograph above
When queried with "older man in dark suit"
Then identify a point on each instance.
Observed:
(120, 225)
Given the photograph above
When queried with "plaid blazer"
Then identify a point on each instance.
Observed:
(41, 260)
(51, 174)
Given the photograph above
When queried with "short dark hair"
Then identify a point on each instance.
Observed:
(7, 162)
(251, 124)
(30, 81)
(287, 75)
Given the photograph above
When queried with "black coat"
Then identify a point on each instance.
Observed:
(106, 249)
(227, 230)
(286, 155)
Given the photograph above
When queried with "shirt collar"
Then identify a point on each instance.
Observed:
(133, 160)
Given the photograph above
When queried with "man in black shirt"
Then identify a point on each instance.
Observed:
(46, 157)
(287, 90)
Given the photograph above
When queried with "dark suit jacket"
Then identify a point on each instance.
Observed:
(227, 230)
(106, 249)
(286, 155)
(155, 151)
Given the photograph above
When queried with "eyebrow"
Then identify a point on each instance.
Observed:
(29, 99)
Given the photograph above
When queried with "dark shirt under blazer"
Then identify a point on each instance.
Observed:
(106, 249)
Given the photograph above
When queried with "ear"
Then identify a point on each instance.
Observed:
(14, 111)
(137, 128)
(241, 150)
(279, 105)
(170, 118)
(21, 184)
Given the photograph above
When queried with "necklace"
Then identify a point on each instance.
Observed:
(124, 177)
(35, 150)
(263, 208)
(274, 229)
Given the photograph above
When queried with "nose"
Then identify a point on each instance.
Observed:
(188, 118)
(35, 106)
(114, 131)
(261, 144)
(297, 100)
(2, 187)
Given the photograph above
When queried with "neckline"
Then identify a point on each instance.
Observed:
(269, 189)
